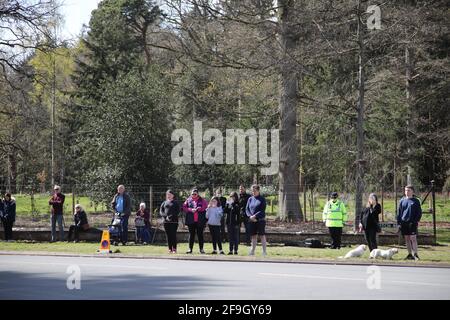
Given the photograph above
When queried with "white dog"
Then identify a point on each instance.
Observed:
(355, 253)
(385, 254)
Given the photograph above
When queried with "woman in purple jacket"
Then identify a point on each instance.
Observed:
(195, 209)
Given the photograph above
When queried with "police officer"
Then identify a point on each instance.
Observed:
(334, 217)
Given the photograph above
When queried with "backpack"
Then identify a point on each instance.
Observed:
(313, 243)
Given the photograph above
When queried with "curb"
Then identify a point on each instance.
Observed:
(220, 259)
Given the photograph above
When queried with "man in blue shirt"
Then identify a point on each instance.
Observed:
(408, 217)
(122, 204)
(256, 213)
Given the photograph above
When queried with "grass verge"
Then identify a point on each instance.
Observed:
(429, 254)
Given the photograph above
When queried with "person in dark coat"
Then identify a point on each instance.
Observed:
(233, 221)
(57, 213)
(142, 224)
(243, 199)
(8, 215)
(369, 221)
(169, 211)
(222, 203)
(121, 204)
(80, 223)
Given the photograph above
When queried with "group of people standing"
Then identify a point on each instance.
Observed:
(220, 212)
(217, 214)
(408, 217)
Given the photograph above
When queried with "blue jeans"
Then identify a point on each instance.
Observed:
(57, 218)
(124, 223)
(142, 234)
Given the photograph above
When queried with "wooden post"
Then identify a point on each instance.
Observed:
(312, 204)
(433, 197)
(382, 203)
(73, 200)
(304, 201)
(395, 184)
(151, 203)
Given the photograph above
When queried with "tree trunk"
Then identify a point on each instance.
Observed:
(12, 170)
(289, 203)
(409, 98)
(360, 122)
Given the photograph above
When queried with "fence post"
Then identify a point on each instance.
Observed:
(312, 205)
(73, 200)
(151, 203)
(382, 203)
(433, 197)
(304, 201)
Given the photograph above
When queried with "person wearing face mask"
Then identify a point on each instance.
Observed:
(334, 216)
(195, 208)
(170, 210)
(214, 214)
(222, 203)
(233, 221)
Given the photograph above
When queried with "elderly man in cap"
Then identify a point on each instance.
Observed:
(334, 217)
(57, 215)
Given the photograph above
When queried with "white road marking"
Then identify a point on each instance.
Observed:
(310, 277)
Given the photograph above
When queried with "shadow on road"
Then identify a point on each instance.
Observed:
(17, 285)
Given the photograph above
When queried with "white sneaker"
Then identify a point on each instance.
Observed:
(264, 254)
(251, 253)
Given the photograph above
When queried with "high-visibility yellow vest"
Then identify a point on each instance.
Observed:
(334, 214)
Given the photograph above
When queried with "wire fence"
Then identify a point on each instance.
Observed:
(32, 200)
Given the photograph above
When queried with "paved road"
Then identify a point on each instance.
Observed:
(45, 277)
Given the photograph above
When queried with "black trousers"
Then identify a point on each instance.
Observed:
(216, 235)
(336, 235)
(196, 228)
(222, 229)
(75, 230)
(171, 233)
(233, 235)
(7, 226)
(371, 237)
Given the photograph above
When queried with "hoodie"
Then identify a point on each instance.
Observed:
(409, 210)
(214, 215)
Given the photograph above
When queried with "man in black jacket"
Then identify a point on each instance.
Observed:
(81, 223)
(243, 199)
(121, 203)
(8, 215)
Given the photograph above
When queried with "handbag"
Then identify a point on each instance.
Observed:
(85, 226)
(378, 228)
(139, 222)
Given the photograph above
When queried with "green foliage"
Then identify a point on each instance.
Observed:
(124, 134)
